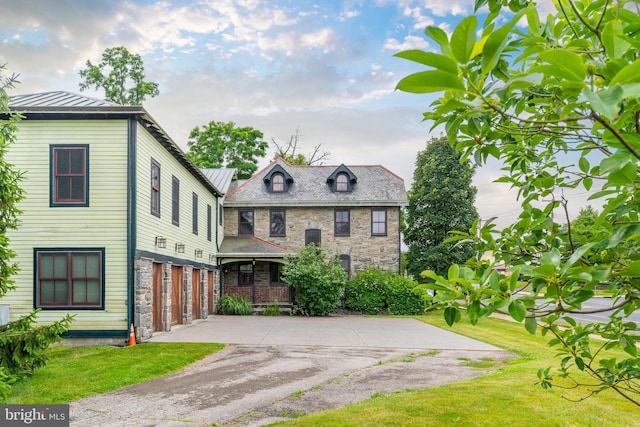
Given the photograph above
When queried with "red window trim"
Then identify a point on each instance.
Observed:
(56, 175)
(69, 278)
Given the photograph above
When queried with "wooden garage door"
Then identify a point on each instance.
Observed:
(157, 296)
(177, 293)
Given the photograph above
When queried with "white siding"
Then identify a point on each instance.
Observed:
(150, 226)
(103, 224)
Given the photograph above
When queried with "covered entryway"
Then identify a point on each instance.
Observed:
(250, 268)
(177, 295)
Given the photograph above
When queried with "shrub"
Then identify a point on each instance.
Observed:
(375, 290)
(272, 310)
(235, 304)
(318, 283)
(403, 298)
(366, 292)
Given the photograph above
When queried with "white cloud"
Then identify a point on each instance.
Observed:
(409, 42)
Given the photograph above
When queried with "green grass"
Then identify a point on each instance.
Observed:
(507, 397)
(75, 372)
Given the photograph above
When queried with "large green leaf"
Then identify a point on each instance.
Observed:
(430, 81)
(439, 36)
(606, 103)
(564, 64)
(629, 74)
(430, 59)
(613, 39)
(451, 315)
(517, 310)
(496, 42)
(463, 39)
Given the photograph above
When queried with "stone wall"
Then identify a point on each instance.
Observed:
(143, 310)
(365, 250)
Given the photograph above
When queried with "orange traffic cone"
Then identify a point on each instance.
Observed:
(132, 337)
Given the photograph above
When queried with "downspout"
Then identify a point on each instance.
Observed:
(131, 219)
(400, 242)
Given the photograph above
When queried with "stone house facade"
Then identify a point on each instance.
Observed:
(353, 212)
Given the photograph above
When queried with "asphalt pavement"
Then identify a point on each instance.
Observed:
(276, 368)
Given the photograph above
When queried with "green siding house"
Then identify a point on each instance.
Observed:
(119, 226)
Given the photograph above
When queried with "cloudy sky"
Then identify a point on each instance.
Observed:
(325, 68)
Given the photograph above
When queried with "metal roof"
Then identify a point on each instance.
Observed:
(376, 186)
(65, 105)
(220, 177)
(65, 101)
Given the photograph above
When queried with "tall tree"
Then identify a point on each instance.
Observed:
(527, 96)
(440, 201)
(220, 144)
(23, 343)
(291, 154)
(121, 75)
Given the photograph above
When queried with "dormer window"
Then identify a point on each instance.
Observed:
(277, 183)
(342, 182)
(278, 180)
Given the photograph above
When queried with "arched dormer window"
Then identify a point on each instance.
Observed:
(342, 180)
(277, 183)
(278, 180)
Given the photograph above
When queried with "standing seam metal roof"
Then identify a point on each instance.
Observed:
(62, 103)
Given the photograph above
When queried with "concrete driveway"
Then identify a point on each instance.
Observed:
(276, 368)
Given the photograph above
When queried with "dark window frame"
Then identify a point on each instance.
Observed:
(273, 223)
(337, 229)
(346, 259)
(55, 176)
(246, 278)
(275, 274)
(374, 222)
(194, 213)
(175, 201)
(155, 188)
(242, 225)
(208, 222)
(69, 253)
(310, 233)
(342, 183)
(277, 187)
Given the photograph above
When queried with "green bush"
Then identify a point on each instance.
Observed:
(235, 304)
(366, 292)
(403, 298)
(272, 310)
(318, 283)
(373, 291)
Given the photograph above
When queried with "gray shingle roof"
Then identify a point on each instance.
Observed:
(238, 246)
(376, 186)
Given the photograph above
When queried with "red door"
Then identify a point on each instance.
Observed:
(176, 295)
(157, 296)
(196, 294)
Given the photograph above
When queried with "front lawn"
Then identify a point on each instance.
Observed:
(75, 372)
(507, 397)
